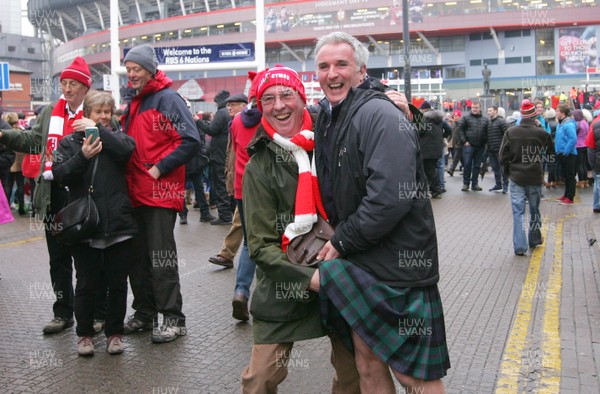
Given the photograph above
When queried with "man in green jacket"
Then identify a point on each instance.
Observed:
(283, 309)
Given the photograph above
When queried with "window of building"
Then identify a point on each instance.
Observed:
(455, 72)
(513, 60)
(12, 48)
(475, 62)
(512, 33)
(31, 50)
(490, 61)
(452, 44)
(526, 59)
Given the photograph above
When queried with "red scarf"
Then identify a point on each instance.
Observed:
(60, 125)
(308, 197)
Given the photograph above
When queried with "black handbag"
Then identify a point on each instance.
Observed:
(79, 220)
(303, 250)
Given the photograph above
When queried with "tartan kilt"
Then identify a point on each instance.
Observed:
(402, 326)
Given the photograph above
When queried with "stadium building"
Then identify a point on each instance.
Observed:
(532, 47)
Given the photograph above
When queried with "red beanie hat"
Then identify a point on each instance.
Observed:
(528, 109)
(79, 71)
(255, 78)
(279, 76)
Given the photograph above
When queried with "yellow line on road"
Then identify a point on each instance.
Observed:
(17, 243)
(551, 358)
(512, 359)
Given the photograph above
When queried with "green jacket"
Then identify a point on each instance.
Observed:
(282, 308)
(34, 141)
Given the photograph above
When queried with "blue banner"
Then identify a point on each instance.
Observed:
(203, 54)
(4, 77)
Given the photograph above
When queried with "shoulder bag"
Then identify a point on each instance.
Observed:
(78, 220)
(303, 250)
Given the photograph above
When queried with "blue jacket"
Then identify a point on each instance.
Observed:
(566, 137)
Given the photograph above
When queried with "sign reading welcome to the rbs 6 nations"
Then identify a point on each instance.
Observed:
(203, 54)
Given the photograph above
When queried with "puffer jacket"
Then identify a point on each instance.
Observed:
(166, 136)
(498, 127)
(473, 129)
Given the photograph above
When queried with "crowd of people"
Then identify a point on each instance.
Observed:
(364, 160)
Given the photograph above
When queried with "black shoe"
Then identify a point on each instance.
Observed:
(240, 307)
(465, 188)
(496, 188)
(450, 172)
(476, 188)
(442, 190)
(183, 219)
(134, 325)
(207, 217)
(596, 210)
(57, 325)
(220, 221)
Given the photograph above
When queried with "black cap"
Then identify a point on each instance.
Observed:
(425, 105)
(237, 98)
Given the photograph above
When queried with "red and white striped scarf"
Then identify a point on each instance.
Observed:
(308, 197)
(57, 129)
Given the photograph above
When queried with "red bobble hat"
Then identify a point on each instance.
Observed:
(279, 76)
(79, 71)
(528, 109)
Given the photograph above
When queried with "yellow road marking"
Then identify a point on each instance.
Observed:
(551, 358)
(512, 359)
(17, 243)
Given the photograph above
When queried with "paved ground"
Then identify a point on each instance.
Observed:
(514, 324)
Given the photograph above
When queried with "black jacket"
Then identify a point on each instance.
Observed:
(219, 131)
(473, 129)
(498, 127)
(73, 170)
(524, 150)
(431, 134)
(368, 160)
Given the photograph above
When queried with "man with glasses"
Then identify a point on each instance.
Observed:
(54, 123)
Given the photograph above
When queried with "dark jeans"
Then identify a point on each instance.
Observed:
(456, 157)
(567, 164)
(101, 271)
(218, 187)
(154, 274)
(501, 179)
(198, 183)
(16, 177)
(430, 167)
(472, 158)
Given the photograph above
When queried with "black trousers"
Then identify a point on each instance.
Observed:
(430, 167)
(567, 164)
(61, 276)
(219, 188)
(101, 271)
(154, 273)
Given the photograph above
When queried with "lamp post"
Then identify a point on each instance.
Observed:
(406, 36)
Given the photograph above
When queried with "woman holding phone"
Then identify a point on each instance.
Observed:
(110, 248)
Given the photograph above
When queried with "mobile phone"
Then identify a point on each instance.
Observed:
(93, 132)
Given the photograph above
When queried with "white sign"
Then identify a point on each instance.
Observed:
(107, 84)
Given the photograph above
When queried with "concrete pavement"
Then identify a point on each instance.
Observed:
(514, 324)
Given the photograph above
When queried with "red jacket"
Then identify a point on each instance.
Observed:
(165, 135)
(243, 128)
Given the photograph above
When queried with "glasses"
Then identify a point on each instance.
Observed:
(71, 84)
(286, 97)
